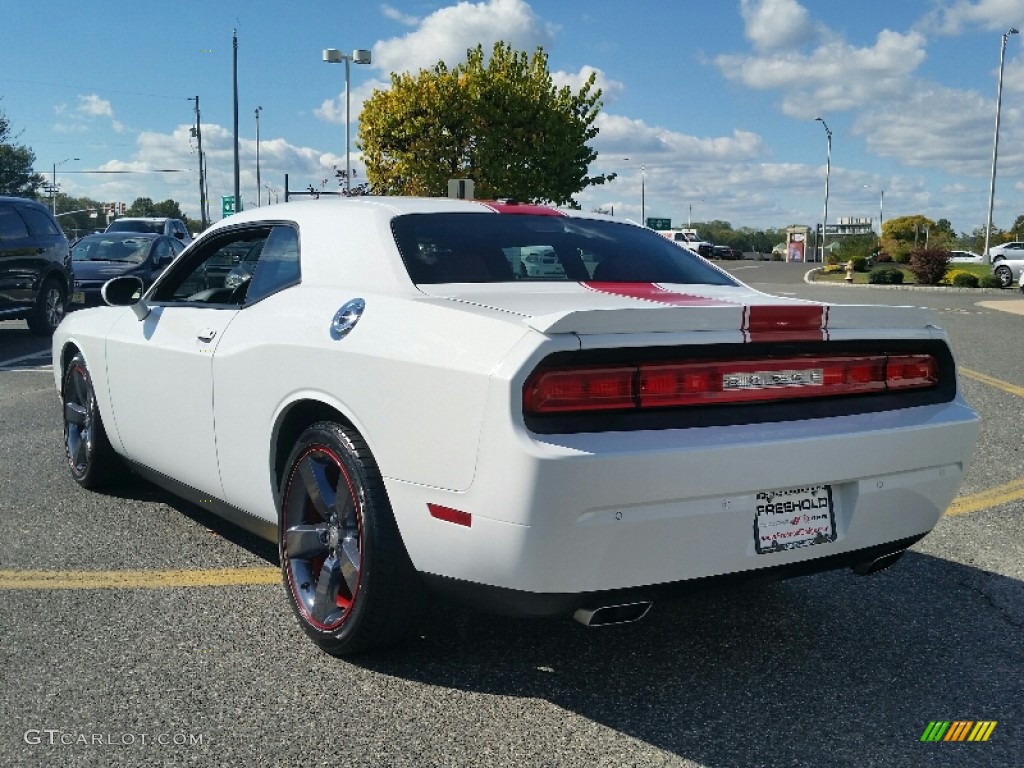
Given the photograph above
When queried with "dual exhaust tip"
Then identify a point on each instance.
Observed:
(628, 613)
(610, 615)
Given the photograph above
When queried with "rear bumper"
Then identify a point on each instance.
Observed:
(554, 516)
(512, 602)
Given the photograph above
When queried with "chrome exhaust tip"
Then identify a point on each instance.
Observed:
(610, 615)
(878, 564)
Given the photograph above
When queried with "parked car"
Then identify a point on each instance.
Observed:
(726, 253)
(35, 265)
(98, 258)
(1008, 270)
(965, 257)
(158, 225)
(387, 402)
(1014, 250)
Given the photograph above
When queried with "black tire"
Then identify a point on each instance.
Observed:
(345, 569)
(49, 309)
(1004, 274)
(91, 460)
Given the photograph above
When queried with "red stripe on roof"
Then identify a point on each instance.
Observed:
(790, 322)
(653, 292)
(520, 208)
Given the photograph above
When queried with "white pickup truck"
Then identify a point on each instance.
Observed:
(688, 238)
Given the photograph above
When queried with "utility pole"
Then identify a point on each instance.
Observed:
(234, 46)
(197, 131)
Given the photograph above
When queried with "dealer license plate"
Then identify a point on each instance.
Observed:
(792, 518)
(78, 297)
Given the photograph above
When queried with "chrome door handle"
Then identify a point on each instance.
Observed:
(206, 335)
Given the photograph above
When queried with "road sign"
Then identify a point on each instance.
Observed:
(227, 205)
(659, 223)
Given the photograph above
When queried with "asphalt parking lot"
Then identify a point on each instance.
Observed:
(136, 629)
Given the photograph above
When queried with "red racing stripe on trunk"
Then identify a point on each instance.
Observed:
(796, 322)
(654, 292)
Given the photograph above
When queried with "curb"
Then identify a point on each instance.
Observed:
(809, 279)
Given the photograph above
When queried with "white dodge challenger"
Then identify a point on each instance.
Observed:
(390, 394)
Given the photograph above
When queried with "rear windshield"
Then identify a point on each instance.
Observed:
(500, 248)
(136, 225)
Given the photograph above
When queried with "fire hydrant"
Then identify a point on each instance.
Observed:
(849, 271)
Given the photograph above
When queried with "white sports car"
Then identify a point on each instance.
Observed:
(402, 411)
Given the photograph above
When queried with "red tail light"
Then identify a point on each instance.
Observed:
(718, 382)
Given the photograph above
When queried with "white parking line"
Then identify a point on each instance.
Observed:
(13, 364)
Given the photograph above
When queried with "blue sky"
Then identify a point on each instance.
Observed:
(713, 102)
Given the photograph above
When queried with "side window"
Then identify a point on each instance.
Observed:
(11, 224)
(277, 266)
(203, 277)
(39, 222)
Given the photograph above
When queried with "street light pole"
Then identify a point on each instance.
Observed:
(359, 56)
(259, 187)
(995, 142)
(828, 171)
(643, 194)
(54, 182)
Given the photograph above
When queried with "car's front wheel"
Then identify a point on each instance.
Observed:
(346, 571)
(1004, 274)
(91, 459)
(49, 309)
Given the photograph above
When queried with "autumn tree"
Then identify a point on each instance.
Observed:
(499, 121)
(16, 175)
(902, 234)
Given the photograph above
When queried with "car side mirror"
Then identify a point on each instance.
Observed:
(126, 291)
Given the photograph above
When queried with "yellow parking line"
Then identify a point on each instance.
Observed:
(1013, 389)
(1001, 494)
(212, 577)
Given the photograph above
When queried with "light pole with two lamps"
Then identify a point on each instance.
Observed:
(828, 171)
(359, 56)
(995, 142)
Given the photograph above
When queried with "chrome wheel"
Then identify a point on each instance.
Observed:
(49, 309)
(322, 543)
(346, 571)
(79, 406)
(91, 459)
(1004, 274)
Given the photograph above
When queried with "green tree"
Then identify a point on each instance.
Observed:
(16, 175)
(1018, 227)
(500, 122)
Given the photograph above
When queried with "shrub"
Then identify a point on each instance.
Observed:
(860, 263)
(883, 258)
(776, 256)
(989, 281)
(964, 280)
(929, 265)
(886, 276)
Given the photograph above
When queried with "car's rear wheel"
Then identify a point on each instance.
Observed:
(346, 571)
(91, 459)
(1004, 274)
(49, 309)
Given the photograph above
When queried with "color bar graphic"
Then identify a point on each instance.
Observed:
(959, 730)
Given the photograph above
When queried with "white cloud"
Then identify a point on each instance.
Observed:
(92, 106)
(994, 15)
(834, 76)
(610, 89)
(396, 15)
(776, 24)
(448, 33)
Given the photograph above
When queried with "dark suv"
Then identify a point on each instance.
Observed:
(35, 265)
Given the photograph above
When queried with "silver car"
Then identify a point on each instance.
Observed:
(1008, 271)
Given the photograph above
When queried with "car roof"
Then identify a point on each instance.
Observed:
(366, 223)
(122, 235)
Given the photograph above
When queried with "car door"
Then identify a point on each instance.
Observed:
(18, 257)
(160, 369)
